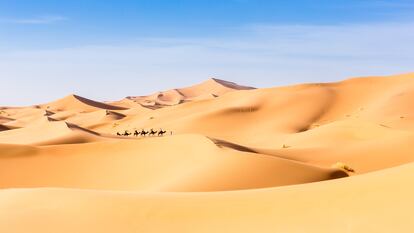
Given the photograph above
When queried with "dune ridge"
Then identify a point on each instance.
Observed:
(75, 102)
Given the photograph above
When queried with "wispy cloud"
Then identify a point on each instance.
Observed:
(35, 20)
(260, 55)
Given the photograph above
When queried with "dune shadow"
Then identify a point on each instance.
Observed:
(97, 104)
(222, 143)
(76, 127)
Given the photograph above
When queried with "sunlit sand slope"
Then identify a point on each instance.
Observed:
(376, 202)
(145, 165)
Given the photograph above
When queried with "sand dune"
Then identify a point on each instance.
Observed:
(310, 117)
(345, 205)
(322, 157)
(206, 90)
(212, 86)
(49, 132)
(22, 117)
(126, 103)
(91, 120)
(143, 165)
(5, 119)
(74, 102)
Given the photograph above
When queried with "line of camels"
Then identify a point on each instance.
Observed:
(144, 133)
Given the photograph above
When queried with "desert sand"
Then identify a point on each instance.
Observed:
(320, 157)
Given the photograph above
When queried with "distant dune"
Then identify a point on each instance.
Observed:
(321, 157)
(209, 89)
(49, 133)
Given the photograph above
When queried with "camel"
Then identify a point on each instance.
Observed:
(117, 133)
(136, 133)
(152, 133)
(161, 132)
(143, 133)
(126, 133)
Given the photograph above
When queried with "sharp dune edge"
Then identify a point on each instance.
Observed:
(324, 157)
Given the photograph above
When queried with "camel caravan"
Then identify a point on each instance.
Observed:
(144, 133)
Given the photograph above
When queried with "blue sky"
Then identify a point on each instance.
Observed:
(110, 49)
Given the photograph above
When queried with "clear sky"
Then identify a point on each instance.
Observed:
(108, 49)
